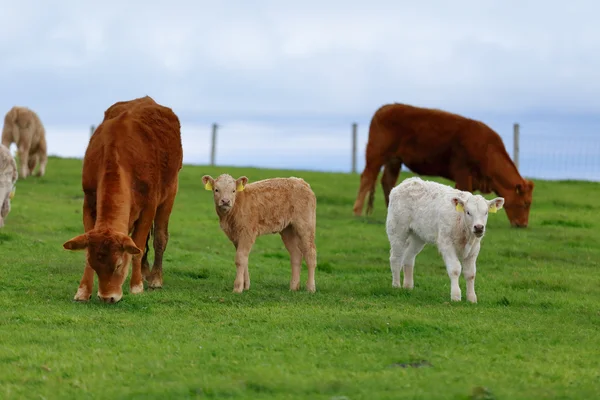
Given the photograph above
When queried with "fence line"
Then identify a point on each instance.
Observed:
(516, 129)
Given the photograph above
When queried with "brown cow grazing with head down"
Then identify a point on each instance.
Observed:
(438, 143)
(23, 127)
(130, 180)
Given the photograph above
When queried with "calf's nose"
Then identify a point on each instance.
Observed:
(478, 228)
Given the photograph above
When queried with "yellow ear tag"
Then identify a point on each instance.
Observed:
(493, 208)
(208, 186)
(459, 208)
(240, 187)
(12, 194)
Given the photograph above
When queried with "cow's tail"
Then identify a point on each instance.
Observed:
(373, 133)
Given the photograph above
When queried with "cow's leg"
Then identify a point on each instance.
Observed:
(24, 159)
(32, 162)
(391, 171)
(368, 179)
(43, 160)
(84, 292)
(161, 238)
(243, 248)
(469, 274)
(292, 244)
(453, 268)
(145, 264)
(415, 245)
(139, 236)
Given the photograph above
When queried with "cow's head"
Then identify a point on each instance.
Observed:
(518, 203)
(109, 254)
(475, 209)
(224, 190)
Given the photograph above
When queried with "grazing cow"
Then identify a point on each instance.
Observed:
(279, 205)
(130, 180)
(23, 127)
(437, 143)
(8, 178)
(422, 212)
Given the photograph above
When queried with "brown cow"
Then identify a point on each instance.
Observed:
(23, 127)
(129, 180)
(438, 143)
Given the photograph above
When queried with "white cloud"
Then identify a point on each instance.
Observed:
(312, 57)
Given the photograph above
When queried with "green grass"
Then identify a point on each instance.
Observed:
(533, 334)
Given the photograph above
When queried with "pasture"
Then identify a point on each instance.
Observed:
(533, 334)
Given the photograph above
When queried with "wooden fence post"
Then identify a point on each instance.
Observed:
(354, 134)
(213, 149)
(516, 144)
(92, 129)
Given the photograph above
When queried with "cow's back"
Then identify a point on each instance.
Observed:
(429, 140)
(144, 139)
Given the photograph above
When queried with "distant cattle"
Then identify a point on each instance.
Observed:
(287, 206)
(8, 178)
(129, 180)
(438, 143)
(23, 127)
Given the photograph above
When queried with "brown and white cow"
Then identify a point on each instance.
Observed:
(130, 180)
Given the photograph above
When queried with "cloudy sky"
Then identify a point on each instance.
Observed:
(330, 62)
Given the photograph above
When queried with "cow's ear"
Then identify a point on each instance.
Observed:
(77, 243)
(495, 204)
(128, 245)
(458, 203)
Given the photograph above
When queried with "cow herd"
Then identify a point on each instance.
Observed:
(130, 179)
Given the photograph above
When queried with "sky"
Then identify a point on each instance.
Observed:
(288, 73)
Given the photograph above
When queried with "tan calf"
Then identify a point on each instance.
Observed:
(280, 205)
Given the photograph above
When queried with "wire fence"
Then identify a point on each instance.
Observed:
(546, 149)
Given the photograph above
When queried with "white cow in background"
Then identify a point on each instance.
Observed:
(423, 212)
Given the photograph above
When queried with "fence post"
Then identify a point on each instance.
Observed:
(213, 149)
(92, 129)
(516, 144)
(354, 129)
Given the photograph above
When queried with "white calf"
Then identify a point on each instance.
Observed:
(423, 212)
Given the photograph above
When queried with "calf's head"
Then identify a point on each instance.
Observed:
(518, 203)
(109, 254)
(475, 210)
(224, 190)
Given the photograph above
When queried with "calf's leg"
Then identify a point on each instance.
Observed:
(415, 245)
(309, 252)
(469, 275)
(453, 268)
(292, 244)
(242, 253)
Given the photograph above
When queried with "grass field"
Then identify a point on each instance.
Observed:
(533, 335)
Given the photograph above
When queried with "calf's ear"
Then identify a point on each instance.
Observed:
(77, 243)
(458, 203)
(495, 204)
(240, 183)
(208, 182)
